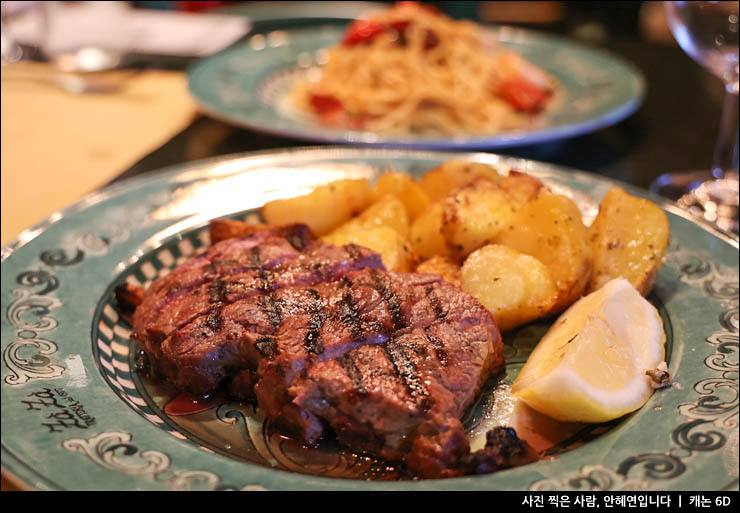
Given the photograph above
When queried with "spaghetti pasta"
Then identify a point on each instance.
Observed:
(410, 69)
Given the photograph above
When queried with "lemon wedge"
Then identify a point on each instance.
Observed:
(591, 365)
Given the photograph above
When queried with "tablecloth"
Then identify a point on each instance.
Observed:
(58, 146)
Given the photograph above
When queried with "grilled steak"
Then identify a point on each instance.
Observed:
(326, 339)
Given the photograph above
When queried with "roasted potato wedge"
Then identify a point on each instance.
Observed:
(387, 211)
(521, 187)
(396, 252)
(403, 186)
(516, 288)
(323, 209)
(550, 228)
(426, 232)
(474, 214)
(632, 250)
(444, 267)
(446, 177)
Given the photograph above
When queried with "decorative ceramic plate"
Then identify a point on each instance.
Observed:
(79, 413)
(249, 86)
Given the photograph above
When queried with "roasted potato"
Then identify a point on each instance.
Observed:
(632, 249)
(387, 211)
(550, 228)
(521, 187)
(403, 186)
(446, 177)
(426, 232)
(396, 252)
(516, 288)
(474, 214)
(323, 209)
(443, 267)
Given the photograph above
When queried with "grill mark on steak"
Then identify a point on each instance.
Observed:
(406, 370)
(271, 310)
(267, 346)
(217, 291)
(265, 279)
(255, 258)
(220, 260)
(354, 373)
(385, 289)
(354, 253)
(439, 348)
(312, 341)
(436, 306)
(266, 302)
(183, 296)
(299, 240)
(348, 311)
(214, 321)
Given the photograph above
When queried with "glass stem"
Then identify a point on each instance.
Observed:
(726, 150)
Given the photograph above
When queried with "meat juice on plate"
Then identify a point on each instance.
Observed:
(237, 430)
(541, 432)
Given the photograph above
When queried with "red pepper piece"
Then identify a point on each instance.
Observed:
(325, 103)
(328, 108)
(361, 31)
(399, 26)
(523, 95)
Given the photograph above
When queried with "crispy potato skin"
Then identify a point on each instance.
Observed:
(632, 250)
(346, 199)
(516, 288)
(387, 211)
(426, 232)
(405, 188)
(450, 175)
(474, 214)
(443, 267)
(469, 217)
(550, 228)
(396, 252)
(521, 187)
(382, 227)
(484, 232)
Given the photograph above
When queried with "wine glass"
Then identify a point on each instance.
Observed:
(708, 32)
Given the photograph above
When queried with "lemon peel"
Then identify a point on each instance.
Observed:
(591, 366)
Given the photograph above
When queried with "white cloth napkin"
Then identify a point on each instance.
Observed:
(147, 31)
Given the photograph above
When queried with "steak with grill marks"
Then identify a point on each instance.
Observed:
(326, 340)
